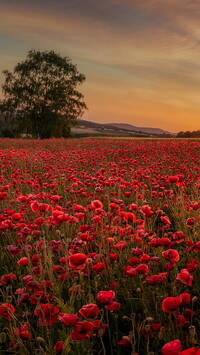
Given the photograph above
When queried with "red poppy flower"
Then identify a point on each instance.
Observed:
(97, 204)
(96, 219)
(43, 207)
(171, 254)
(8, 278)
(68, 319)
(172, 348)
(89, 311)
(165, 219)
(190, 222)
(137, 252)
(191, 351)
(14, 250)
(169, 266)
(82, 330)
(39, 221)
(125, 341)
(35, 259)
(142, 269)
(106, 297)
(155, 326)
(146, 209)
(134, 261)
(86, 237)
(56, 198)
(59, 346)
(185, 298)
(188, 313)
(23, 261)
(7, 310)
(164, 242)
(22, 296)
(185, 277)
(113, 306)
(99, 267)
(181, 321)
(120, 245)
(23, 332)
(99, 328)
(170, 304)
(114, 256)
(179, 237)
(192, 265)
(129, 271)
(77, 260)
(16, 216)
(3, 195)
(195, 205)
(40, 297)
(157, 279)
(145, 258)
(129, 217)
(35, 206)
(173, 179)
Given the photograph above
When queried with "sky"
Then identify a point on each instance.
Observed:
(141, 58)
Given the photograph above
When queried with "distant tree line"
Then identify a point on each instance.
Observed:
(188, 134)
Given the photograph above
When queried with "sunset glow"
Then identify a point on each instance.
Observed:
(140, 58)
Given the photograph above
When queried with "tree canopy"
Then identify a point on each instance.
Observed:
(41, 96)
(188, 134)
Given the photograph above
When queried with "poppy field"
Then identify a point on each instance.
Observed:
(100, 245)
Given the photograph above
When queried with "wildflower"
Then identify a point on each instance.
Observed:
(185, 277)
(190, 222)
(142, 269)
(23, 332)
(170, 304)
(192, 265)
(121, 245)
(7, 310)
(172, 348)
(77, 260)
(171, 254)
(23, 262)
(99, 267)
(129, 271)
(7, 278)
(106, 297)
(39, 297)
(58, 347)
(82, 330)
(157, 279)
(68, 319)
(89, 311)
(113, 306)
(99, 328)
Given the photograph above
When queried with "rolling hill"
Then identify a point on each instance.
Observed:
(88, 128)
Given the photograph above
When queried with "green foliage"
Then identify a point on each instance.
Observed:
(41, 96)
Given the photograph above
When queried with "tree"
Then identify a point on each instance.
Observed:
(188, 134)
(40, 95)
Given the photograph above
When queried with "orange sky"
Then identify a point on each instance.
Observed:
(141, 58)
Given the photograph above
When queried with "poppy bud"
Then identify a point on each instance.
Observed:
(194, 299)
(192, 330)
(40, 340)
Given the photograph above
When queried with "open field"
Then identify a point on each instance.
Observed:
(100, 245)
